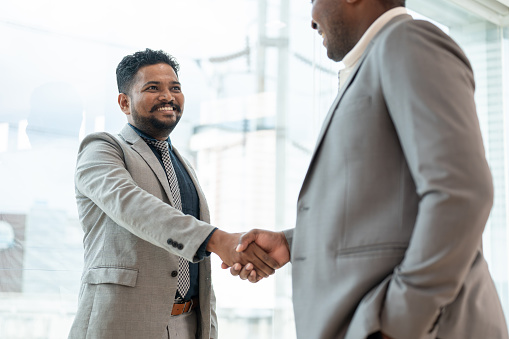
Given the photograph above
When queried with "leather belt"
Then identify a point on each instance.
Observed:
(185, 307)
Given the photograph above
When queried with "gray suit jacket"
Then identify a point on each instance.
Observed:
(397, 194)
(125, 208)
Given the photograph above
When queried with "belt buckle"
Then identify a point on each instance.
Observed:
(190, 306)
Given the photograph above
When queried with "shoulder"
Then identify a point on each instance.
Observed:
(414, 48)
(405, 25)
(99, 136)
(404, 35)
(102, 140)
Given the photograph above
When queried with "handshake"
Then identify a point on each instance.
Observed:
(253, 255)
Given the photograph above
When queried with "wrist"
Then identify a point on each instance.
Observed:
(220, 240)
(214, 241)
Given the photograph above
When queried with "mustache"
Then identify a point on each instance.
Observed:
(175, 106)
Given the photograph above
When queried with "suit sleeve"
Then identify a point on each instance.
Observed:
(213, 316)
(429, 89)
(103, 178)
(289, 237)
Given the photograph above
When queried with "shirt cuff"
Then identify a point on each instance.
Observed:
(202, 251)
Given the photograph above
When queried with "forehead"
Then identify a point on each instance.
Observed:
(159, 72)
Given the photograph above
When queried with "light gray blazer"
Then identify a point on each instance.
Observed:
(125, 209)
(395, 200)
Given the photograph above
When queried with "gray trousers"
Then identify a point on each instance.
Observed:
(183, 326)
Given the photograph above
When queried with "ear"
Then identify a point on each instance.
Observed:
(125, 103)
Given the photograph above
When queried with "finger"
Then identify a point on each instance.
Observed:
(246, 271)
(253, 254)
(266, 258)
(253, 277)
(235, 269)
(224, 266)
(246, 239)
(261, 268)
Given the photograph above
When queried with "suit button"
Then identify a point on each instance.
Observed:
(175, 244)
(174, 274)
(169, 241)
(181, 247)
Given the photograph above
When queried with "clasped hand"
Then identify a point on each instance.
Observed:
(225, 245)
(274, 246)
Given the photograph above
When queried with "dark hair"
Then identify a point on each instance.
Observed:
(130, 64)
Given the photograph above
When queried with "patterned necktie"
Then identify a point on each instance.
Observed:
(183, 280)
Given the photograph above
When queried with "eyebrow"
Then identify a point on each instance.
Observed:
(158, 82)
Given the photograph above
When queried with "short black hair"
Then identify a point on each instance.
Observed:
(130, 64)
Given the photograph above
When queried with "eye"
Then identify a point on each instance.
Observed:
(176, 89)
(152, 88)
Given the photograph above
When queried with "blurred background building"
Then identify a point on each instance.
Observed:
(257, 83)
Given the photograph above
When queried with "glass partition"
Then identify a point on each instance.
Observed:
(257, 83)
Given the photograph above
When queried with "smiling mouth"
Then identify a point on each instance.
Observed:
(166, 108)
(322, 34)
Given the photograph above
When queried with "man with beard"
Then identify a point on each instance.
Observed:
(147, 237)
(391, 212)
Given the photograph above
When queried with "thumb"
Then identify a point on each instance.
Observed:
(245, 239)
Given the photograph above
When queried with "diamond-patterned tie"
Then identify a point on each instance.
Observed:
(183, 280)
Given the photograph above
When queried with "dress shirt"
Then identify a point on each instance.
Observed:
(190, 206)
(351, 59)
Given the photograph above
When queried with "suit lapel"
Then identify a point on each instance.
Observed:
(332, 111)
(204, 211)
(347, 84)
(334, 106)
(141, 147)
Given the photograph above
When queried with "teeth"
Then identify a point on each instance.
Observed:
(165, 109)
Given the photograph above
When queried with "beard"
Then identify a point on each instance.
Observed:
(154, 126)
(340, 42)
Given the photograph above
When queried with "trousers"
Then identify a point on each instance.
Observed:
(183, 326)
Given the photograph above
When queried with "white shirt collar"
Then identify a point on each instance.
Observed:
(354, 55)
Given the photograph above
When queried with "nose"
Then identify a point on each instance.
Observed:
(314, 25)
(166, 95)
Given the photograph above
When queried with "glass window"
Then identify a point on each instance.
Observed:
(257, 83)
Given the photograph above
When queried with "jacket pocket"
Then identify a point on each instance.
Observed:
(111, 275)
(375, 250)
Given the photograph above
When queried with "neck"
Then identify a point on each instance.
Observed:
(371, 10)
(156, 134)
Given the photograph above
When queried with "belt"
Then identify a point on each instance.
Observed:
(185, 307)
